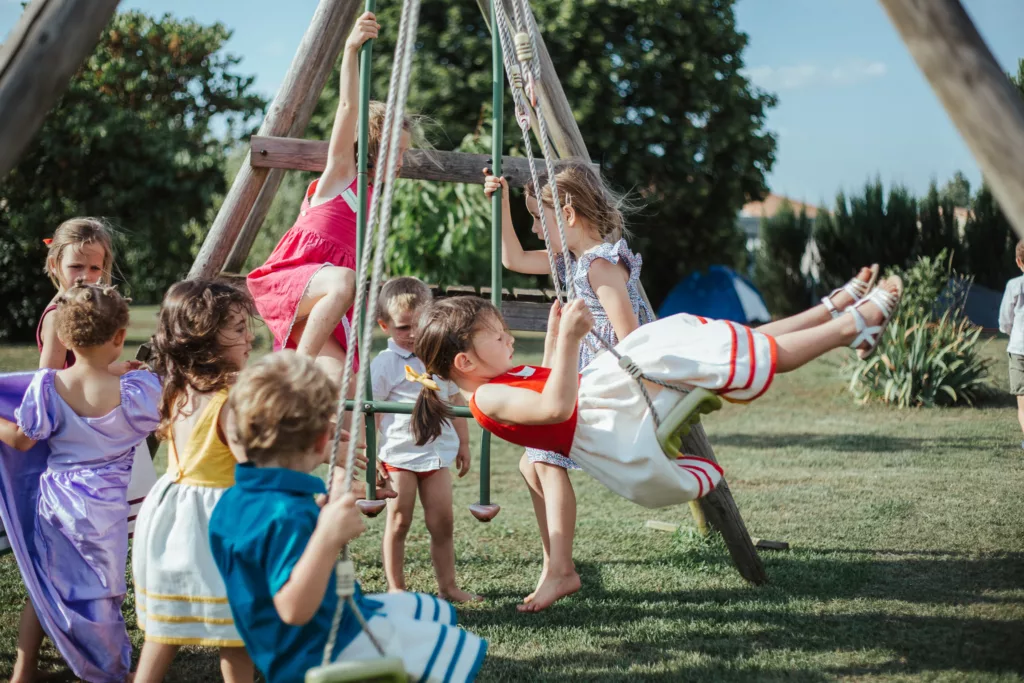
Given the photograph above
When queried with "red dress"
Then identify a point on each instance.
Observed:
(323, 235)
(553, 437)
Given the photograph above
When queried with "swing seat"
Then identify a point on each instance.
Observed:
(484, 513)
(383, 670)
(677, 424)
(371, 508)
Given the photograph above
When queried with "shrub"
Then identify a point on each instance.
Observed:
(930, 355)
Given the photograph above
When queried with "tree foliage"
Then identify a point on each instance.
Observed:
(784, 239)
(938, 223)
(864, 229)
(657, 91)
(133, 140)
(957, 190)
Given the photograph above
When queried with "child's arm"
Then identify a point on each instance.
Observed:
(1007, 307)
(551, 336)
(606, 279)
(54, 353)
(300, 598)
(464, 457)
(11, 434)
(513, 256)
(557, 402)
(341, 162)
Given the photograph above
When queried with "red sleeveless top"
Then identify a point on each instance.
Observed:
(553, 437)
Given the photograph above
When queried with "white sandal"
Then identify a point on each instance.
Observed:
(888, 303)
(856, 288)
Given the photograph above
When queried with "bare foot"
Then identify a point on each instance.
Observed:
(842, 298)
(395, 590)
(551, 590)
(458, 596)
(540, 582)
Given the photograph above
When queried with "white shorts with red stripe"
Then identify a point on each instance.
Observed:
(615, 439)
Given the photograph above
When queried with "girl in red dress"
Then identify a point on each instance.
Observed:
(305, 290)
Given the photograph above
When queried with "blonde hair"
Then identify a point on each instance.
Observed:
(401, 295)
(412, 124)
(1019, 251)
(583, 189)
(78, 232)
(281, 405)
(90, 315)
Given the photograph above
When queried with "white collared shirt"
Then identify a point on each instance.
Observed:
(397, 445)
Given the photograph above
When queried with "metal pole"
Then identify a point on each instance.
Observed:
(365, 64)
(497, 127)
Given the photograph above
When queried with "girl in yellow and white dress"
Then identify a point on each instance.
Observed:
(202, 341)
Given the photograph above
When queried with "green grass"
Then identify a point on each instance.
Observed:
(906, 561)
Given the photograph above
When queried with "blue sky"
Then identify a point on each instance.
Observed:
(852, 103)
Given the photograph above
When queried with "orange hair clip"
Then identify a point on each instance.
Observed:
(47, 241)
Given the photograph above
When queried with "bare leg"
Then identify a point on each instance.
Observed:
(560, 501)
(236, 666)
(328, 296)
(529, 472)
(400, 512)
(436, 497)
(154, 661)
(799, 348)
(30, 639)
(1020, 412)
(815, 315)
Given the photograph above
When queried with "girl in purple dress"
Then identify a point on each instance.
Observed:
(64, 500)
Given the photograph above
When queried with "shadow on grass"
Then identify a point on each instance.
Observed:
(819, 603)
(862, 443)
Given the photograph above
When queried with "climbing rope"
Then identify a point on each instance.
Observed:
(378, 225)
(524, 79)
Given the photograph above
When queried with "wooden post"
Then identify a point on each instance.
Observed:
(977, 95)
(718, 507)
(562, 127)
(289, 114)
(43, 51)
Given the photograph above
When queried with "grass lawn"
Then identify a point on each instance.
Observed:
(907, 559)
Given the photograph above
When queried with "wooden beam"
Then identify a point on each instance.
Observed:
(562, 127)
(979, 98)
(43, 51)
(289, 114)
(418, 164)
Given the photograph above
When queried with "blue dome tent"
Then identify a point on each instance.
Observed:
(719, 293)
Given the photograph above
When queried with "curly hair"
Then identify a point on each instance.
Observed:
(281, 405)
(90, 315)
(186, 350)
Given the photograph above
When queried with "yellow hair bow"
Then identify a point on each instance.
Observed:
(421, 378)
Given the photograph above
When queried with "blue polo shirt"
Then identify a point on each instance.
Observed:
(258, 531)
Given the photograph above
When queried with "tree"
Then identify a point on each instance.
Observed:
(659, 95)
(777, 272)
(990, 242)
(938, 225)
(866, 229)
(957, 190)
(132, 140)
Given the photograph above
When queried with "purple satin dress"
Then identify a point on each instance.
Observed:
(64, 504)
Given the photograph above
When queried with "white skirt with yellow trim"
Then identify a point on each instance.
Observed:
(615, 440)
(180, 598)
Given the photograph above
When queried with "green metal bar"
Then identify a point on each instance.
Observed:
(363, 164)
(497, 146)
(398, 408)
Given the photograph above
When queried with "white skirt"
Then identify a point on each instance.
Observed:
(143, 478)
(421, 630)
(615, 440)
(180, 597)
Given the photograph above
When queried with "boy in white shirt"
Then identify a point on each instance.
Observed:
(1011, 322)
(409, 467)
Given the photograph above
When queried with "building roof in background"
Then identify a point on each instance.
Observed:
(770, 206)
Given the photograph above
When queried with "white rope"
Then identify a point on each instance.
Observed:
(385, 175)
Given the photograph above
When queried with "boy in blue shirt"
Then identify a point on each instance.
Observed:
(276, 547)
(1011, 322)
